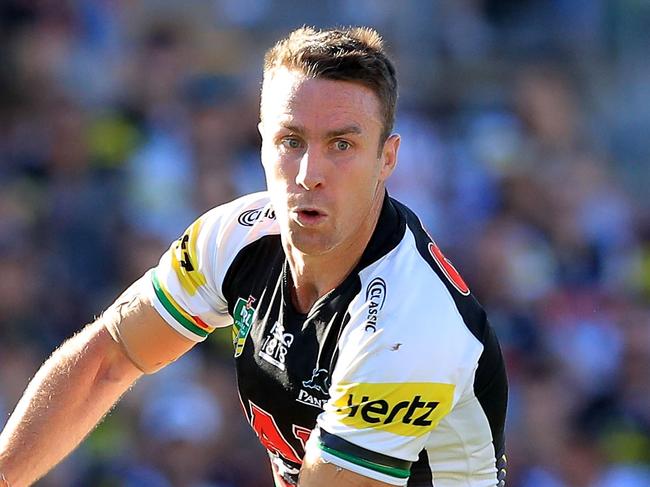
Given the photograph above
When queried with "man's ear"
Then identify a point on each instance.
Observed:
(389, 156)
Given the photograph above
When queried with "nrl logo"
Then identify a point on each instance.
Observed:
(318, 385)
(243, 316)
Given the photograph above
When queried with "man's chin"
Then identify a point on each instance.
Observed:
(309, 242)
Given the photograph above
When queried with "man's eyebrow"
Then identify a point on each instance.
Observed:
(292, 128)
(350, 129)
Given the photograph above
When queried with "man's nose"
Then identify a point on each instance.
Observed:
(310, 172)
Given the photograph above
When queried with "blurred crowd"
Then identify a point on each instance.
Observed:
(525, 149)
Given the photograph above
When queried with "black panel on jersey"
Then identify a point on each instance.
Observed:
(490, 381)
(421, 472)
(245, 268)
(388, 234)
(491, 384)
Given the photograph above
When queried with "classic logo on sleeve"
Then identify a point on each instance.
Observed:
(405, 409)
(243, 320)
(249, 217)
(375, 297)
(184, 260)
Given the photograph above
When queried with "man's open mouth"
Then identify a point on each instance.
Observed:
(309, 216)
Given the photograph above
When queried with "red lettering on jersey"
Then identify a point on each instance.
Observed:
(301, 433)
(269, 434)
(448, 269)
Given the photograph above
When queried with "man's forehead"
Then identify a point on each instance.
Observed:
(282, 81)
(288, 94)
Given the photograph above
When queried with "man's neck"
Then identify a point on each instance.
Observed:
(315, 276)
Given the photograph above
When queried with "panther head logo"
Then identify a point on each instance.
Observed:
(319, 381)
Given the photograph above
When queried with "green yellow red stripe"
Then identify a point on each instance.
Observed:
(192, 323)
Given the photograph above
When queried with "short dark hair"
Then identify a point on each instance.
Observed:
(354, 54)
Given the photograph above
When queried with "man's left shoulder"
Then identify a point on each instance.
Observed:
(408, 303)
(407, 284)
(424, 278)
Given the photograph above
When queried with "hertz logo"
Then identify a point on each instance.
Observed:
(406, 409)
(415, 411)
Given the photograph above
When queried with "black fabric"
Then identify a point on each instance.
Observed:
(421, 472)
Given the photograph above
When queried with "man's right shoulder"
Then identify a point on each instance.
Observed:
(187, 284)
(242, 220)
(246, 209)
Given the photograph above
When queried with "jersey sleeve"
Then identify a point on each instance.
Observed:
(185, 287)
(400, 371)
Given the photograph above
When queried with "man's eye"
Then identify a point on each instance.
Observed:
(290, 143)
(342, 145)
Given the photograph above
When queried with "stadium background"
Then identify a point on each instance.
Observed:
(526, 149)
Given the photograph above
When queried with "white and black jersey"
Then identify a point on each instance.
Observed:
(395, 374)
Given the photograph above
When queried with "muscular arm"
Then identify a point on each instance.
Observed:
(323, 474)
(76, 386)
(316, 472)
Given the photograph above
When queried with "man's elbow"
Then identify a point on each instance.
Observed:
(93, 358)
(115, 367)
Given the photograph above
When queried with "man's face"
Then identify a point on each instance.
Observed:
(320, 152)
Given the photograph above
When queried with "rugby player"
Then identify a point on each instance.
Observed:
(362, 357)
